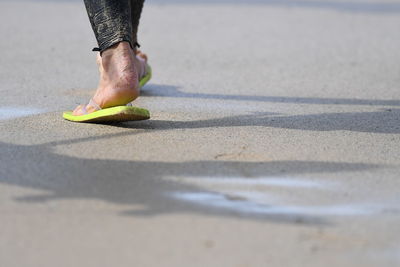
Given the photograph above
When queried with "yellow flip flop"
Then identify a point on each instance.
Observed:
(113, 114)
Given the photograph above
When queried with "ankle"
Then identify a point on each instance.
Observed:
(118, 59)
(117, 48)
(121, 50)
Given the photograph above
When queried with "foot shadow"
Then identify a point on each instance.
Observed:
(385, 121)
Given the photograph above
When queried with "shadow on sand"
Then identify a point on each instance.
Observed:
(385, 120)
(173, 91)
(142, 183)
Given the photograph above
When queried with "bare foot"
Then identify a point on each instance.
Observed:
(120, 70)
(141, 63)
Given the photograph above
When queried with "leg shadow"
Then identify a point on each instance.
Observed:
(173, 91)
(139, 183)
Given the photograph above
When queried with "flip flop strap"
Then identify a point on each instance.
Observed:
(94, 104)
(84, 110)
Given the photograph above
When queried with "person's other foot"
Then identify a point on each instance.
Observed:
(120, 71)
(140, 63)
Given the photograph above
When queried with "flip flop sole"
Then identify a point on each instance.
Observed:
(114, 114)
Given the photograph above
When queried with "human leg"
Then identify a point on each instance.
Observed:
(141, 58)
(111, 21)
(136, 11)
(112, 25)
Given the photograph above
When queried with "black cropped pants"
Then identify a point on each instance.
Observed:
(114, 21)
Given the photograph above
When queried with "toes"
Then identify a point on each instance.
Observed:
(84, 109)
(78, 111)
